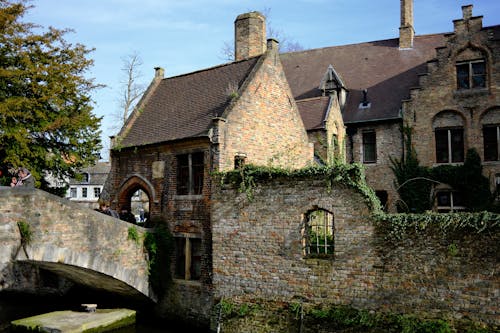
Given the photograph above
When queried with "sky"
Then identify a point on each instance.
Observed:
(182, 36)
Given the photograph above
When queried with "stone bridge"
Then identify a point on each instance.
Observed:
(77, 243)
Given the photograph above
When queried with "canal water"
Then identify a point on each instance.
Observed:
(17, 306)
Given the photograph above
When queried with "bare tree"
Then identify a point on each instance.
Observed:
(132, 88)
(286, 44)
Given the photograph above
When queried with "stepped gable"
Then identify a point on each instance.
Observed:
(381, 67)
(313, 112)
(184, 106)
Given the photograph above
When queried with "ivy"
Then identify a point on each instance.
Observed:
(415, 182)
(159, 246)
(396, 227)
(26, 232)
(349, 175)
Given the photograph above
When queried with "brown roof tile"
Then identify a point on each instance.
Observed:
(380, 67)
(183, 106)
(313, 111)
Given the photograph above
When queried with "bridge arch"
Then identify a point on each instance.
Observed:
(72, 240)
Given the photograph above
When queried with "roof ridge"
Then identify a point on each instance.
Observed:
(361, 43)
(211, 68)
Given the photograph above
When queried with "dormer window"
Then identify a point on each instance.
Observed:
(85, 178)
(471, 74)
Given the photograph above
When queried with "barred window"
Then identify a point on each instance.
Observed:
(318, 234)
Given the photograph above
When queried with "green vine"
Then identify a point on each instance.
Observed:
(159, 246)
(133, 234)
(415, 182)
(396, 227)
(26, 233)
(350, 175)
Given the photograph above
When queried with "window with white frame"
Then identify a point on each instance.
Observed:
(84, 192)
(72, 192)
(449, 201)
(97, 192)
(449, 145)
(471, 74)
(318, 234)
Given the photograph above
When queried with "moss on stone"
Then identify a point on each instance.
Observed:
(76, 322)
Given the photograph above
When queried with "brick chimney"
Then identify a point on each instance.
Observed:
(406, 30)
(249, 35)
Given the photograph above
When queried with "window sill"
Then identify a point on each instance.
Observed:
(471, 92)
(195, 283)
(491, 162)
(188, 196)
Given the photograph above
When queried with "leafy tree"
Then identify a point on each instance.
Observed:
(46, 120)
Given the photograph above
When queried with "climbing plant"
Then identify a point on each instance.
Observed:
(26, 232)
(159, 246)
(350, 175)
(415, 182)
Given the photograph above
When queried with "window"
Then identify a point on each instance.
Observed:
(471, 74)
(369, 147)
(491, 141)
(449, 201)
(318, 233)
(97, 192)
(85, 178)
(84, 192)
(190, 173)
(383, 197)
(72, 192)
(239, 161)
(449, 145)
(188, 258)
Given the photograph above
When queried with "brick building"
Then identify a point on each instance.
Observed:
(294, 109)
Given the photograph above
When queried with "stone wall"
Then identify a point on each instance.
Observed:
(438, 102)
(257, 254)
(78, 243)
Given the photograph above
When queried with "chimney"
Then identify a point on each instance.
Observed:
(406, 31)
(249, 35)
(159, 73)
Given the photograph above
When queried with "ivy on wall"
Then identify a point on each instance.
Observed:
(415, 182)
(350, 175)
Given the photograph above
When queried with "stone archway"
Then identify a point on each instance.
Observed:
(136, 195)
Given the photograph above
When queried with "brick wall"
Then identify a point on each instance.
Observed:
(264, 123)
(437, 98)
(154, 170)
(257, 254)
(389, 145)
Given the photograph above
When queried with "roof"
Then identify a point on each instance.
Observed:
(381, 67)
(313, 111)
(97, 174)
(184, 106)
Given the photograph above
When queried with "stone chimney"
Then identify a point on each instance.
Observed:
(406, 30)
(159, 73)
(249, 35)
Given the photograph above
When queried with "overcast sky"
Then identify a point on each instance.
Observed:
(187, 35)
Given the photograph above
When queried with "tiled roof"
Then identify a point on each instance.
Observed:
(97, 174)
(313, 111)
(380, 67)
(183, 106)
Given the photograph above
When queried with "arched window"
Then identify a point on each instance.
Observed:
(318, 234)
